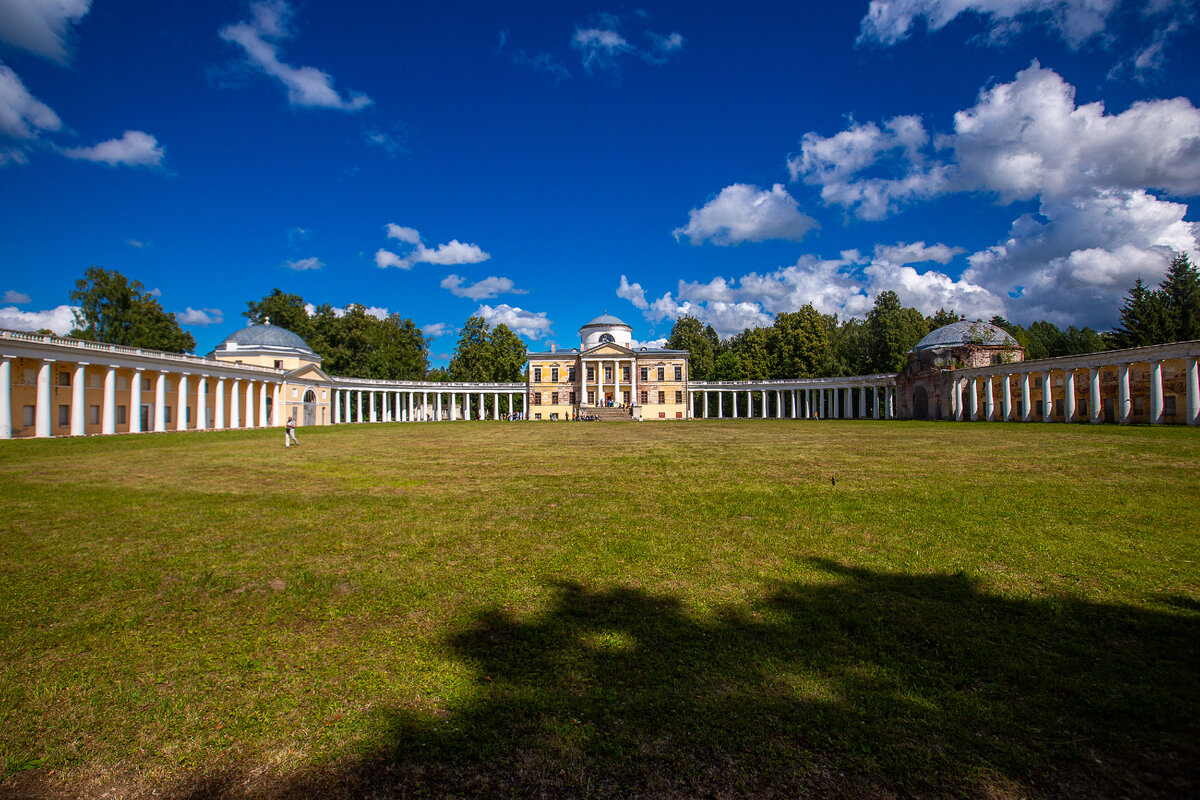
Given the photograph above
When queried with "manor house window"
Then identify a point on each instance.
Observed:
(591, 373)
(662, 396)
(554, 398)
(679, 397)
(679, 373)
(570, 374)
(554, 376)
(537, 374)
(662, 373)
(625, 374)
(643, 397)
(645, 373)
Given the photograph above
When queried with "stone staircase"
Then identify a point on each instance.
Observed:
(608, 414)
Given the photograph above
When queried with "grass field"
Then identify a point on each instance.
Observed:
(717, 609)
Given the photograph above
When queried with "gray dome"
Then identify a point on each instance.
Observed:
(607, 321)
(965, 332)
(264, 337)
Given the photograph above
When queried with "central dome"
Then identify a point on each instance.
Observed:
(606, 329)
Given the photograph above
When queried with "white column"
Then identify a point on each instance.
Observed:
(41, 418)
(358, 417)
(749, 405)
(973, 400)
(348, 406)
(1047, 397)
(1192, 376)
(1156, 393)
(263, 422)
(1006, 400)
(202, 403)
(1069, 394)
(399, 407)
(862, 402)
(835, 396)
(219, 405)
(249, 404)
(160, 402)
(989, 399)
(1026, 401)
(135, 402)
(181, 423)
(424, 406)
(889, 395)
(703, 394)
(720, 405)
(6, 397)
(277, 406)
(78, 400)
(875, 400)
(1094, 404)
(496, 403)
(235, 404)
(371, 413)
(336, 398)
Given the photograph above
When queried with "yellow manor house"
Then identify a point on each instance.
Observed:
(607, 377)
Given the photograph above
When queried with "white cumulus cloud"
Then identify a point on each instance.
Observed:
(480, 290)
(1076, 21)
(200, 316)
(23, 116)
(260, 39)
(60, 319)
(601, 44)
(634, 293)
(451, 253)
(435, 329)
(1092, 173)
(13, 296)
(745, 213)
(302, 264)
(530, 324)
(133, 149)
(41, 26)
(916, 253)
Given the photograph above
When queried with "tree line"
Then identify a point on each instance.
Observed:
(808, 344)
(800, 344)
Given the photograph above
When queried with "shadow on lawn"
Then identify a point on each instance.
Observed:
(871, 684)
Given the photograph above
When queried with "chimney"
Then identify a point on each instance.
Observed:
(552, 347)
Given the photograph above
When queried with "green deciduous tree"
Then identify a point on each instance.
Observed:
(115, 310)
(285, 310)
(801, 344)
(508, 354)
(701, 342)
(892, 330)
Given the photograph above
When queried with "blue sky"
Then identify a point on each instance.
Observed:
(540, 163)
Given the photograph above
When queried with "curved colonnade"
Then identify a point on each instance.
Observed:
(70, 387)
(857, 397)
(359, 400)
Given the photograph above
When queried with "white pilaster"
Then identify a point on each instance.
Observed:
(235, 404)
(160, 402)
(1095, 414)
(202, 403)
(135, 401)
(181, 423)
(79, 401)
(219, 405)
(41, 415)
(1047, 397)
(5, 397)
(1069, 395)
(1156, 393)
(1192, 376)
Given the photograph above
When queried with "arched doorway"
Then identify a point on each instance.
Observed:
(310, 407)
(920, 403)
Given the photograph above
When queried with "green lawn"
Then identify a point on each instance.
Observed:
(721, 609)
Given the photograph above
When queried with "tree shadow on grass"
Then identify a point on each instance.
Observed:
(868, 685)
